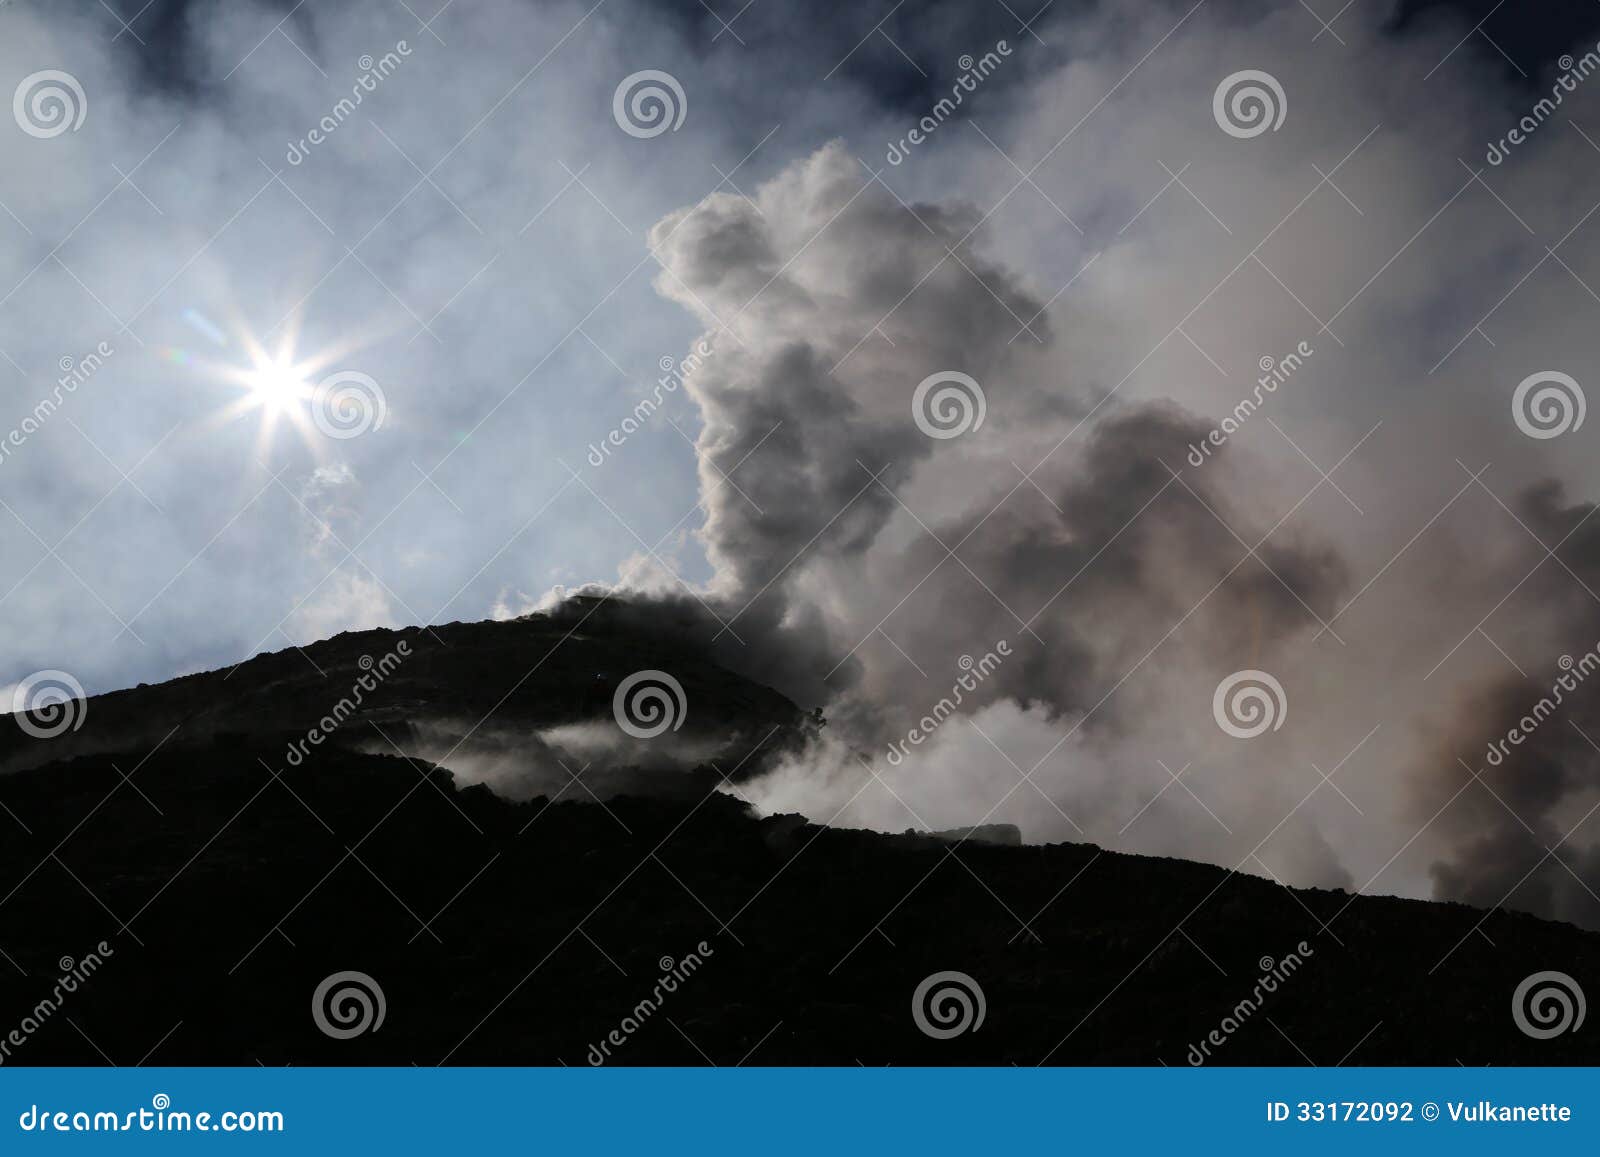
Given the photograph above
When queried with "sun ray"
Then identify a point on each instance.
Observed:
(275, 380)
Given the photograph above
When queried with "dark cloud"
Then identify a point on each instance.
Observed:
(1531, 37)
(1122, 543)
(1523, 748)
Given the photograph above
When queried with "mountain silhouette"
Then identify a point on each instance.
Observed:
(238, 893)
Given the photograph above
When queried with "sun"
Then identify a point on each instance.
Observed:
(280, 386)
(276, 386)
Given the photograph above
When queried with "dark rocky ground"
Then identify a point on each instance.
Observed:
(488, 678)
(523, 933)
(229, 885)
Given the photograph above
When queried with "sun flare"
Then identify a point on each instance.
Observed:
(277, 387)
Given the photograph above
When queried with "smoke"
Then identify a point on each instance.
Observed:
(1523, 750)
(581, 761)
(856, 553)
(848, 506)
(1343, 528)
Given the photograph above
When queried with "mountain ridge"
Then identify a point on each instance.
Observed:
(232, 883)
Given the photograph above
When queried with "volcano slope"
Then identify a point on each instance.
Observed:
(223, 891)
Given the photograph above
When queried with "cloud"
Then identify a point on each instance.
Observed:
(832, 514)
(1344, 535)
(1522, 749)
(346, 602)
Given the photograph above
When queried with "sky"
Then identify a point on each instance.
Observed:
(279, 362)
